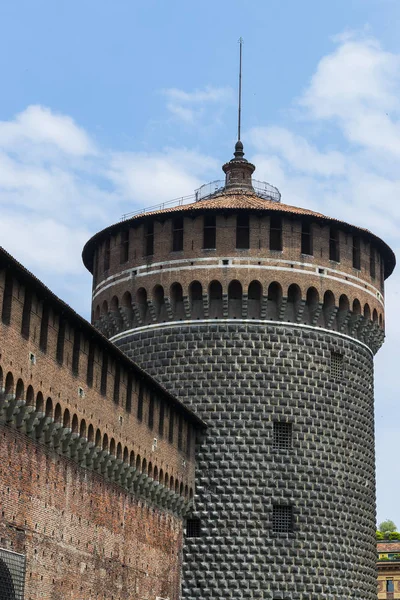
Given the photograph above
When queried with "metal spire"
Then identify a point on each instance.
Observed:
(240, 87)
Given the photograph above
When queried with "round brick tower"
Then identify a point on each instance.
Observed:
(264, 318)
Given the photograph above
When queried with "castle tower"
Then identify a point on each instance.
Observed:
(264, 319)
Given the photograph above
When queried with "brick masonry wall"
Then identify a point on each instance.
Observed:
(83, 538)
(241, 378)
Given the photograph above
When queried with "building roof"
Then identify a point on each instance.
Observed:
(385, 546)
(8, 261)
(234, 200)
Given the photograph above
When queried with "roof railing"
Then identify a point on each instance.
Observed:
(208, 190)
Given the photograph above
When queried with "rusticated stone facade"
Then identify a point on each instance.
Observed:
(242, 378)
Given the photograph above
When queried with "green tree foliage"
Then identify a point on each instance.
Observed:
(387, 527)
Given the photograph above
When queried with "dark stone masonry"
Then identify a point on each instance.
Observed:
(285, 489)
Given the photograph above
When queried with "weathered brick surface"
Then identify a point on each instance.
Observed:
(240, 378)
(83, 538)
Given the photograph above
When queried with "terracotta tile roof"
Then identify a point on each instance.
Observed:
(384, 547)
(237, 200)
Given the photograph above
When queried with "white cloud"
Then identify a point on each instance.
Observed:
(189, 107)
(39, 126)
(57, 188)
(297, 151)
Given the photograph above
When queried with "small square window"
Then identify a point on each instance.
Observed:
(193, 528)
(336, 367)
(282, 518)
(282, 435)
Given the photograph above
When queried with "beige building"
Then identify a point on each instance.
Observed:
(388, 569)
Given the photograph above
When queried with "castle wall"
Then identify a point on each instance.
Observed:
(243, 379)
(96, 458)
(82, 537)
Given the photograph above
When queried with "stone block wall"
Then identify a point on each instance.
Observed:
(241, 378)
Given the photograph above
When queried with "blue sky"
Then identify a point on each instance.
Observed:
(110, 106)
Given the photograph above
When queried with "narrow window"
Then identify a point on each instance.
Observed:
(149, 238)
(243, 231)
(7, 299)
(334, 244)
(44, 328)
(124, 248)
(177, 234)
(282, 435)
(372, 262)
(90, 365)
(189, 440)
(180, 432)
(117, 379)
(140, 403)
(106, 265)
(382, 274)
(306, 239)
(390, 585)
(128, 404)
(150, 421)
(210, 232)
(76, 351)
(171, 426)
(275, 233)
(282, 518)
(26, 314)
(356, 252)
(60, 340)
(161, 419)
(104, 372)
(95, 267)
(336, 366)
(193, 528)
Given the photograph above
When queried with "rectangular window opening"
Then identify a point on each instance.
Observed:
(306, 239)
(356, 253)
(390, 585)
(140, 404)
(150, 421)
(26, 314)
(282, 435)
(243, 231)
(149, 239)
(193, 528)
(90, 365)
(334, 253)
(336, 366)
(161, 419)
(210, 232)
(124, 249)
(282, 518)
(171, 426)
(180, 432)
(76, 351)
(275, 233)
(117, 380)
(372, 269)
(106, 264)
(7, 299)
(128, 404)
(177, 234)
(104, 373)
(60, 340)
(44, 328)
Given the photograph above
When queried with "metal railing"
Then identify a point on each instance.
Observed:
(208, 190)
